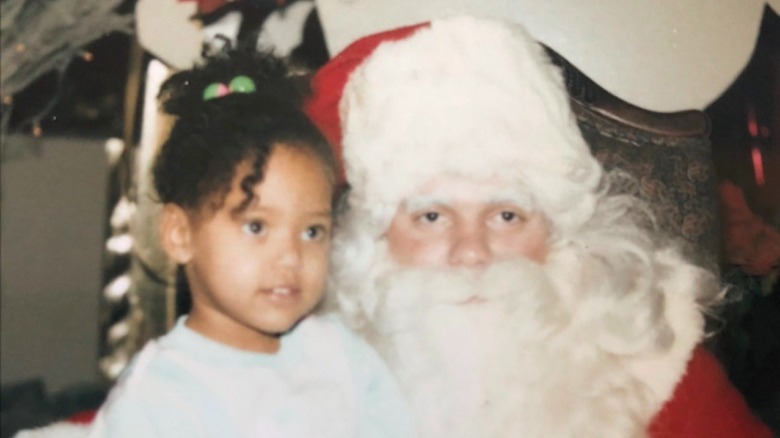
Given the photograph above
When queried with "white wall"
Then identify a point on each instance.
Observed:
(52, 215)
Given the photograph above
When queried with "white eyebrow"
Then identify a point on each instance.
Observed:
(517, 198)
(419, 202)
(514, 197)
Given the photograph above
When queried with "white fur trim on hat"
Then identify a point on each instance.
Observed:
(472, 98)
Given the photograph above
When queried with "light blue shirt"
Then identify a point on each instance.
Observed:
(323, 382)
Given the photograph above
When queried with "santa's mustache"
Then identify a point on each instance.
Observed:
(405, 295)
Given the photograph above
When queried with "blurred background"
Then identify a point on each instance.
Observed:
(75, 283)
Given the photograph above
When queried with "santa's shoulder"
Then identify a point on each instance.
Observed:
(705, 403)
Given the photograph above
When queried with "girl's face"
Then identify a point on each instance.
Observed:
(254, 273)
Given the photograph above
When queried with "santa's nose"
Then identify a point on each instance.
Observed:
(470, 247)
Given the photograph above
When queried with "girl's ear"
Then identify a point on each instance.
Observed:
(176, 233)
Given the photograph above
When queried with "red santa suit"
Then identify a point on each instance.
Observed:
(705, 404)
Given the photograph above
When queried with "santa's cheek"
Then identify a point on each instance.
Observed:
(411, 251)
(530, 244)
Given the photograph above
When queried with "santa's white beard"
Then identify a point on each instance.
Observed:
(493, 353)
(446, 336)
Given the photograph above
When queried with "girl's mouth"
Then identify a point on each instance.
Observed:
(282, 291)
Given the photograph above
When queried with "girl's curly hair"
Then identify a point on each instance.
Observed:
(211, 137)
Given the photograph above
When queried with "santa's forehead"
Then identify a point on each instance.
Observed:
(453, 189)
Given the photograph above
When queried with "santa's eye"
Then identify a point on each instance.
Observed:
(433, 217)
(509, 216)
(253, 227)
(430, 216)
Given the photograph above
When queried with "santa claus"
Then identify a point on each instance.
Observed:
(511, 284)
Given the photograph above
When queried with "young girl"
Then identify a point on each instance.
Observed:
(248, 184)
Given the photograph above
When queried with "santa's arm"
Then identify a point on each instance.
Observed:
(706, 404)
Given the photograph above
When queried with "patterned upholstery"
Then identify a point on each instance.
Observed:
(668, 154)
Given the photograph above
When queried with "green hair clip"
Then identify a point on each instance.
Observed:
(239, 84)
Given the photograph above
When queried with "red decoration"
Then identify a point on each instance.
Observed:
(208, 6)
(749, 241)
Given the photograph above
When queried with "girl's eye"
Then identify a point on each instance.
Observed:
(253, 227)
(316, 232)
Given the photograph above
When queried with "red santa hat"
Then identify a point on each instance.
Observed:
(462, 96)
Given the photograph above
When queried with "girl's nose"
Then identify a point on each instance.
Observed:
(470, 246)
(290, 253)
